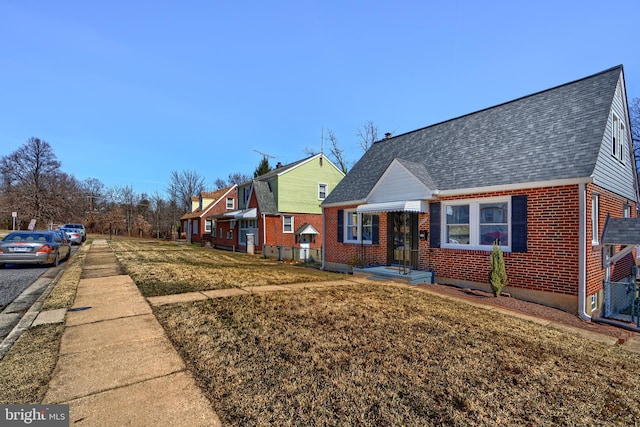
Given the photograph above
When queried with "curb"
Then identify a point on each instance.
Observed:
(28, 318)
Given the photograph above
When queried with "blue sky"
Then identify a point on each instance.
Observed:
(127, 91)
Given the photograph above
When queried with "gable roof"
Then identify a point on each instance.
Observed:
(551, 135)
(215, 195)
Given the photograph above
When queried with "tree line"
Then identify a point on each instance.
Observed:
(34, 186)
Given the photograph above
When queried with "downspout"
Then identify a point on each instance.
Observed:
(582, 254)
(264, 232)
(323, 239)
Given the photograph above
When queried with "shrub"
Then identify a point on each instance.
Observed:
(498, 273)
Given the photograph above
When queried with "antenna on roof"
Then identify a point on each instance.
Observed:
(265, 154)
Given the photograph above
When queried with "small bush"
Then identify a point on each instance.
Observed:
(498, 274)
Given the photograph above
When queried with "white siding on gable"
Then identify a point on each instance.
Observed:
(611, 173)
(397, 183)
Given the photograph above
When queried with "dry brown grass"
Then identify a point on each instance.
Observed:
(377, 355)
(160, 268)
(26, 369)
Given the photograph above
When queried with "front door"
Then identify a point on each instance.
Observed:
(402, 249)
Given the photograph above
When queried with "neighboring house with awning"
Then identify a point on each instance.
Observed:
(197, 224)
(281, 207)
(539, 175)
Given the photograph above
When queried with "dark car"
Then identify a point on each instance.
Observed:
(79, 227)
(33, 247)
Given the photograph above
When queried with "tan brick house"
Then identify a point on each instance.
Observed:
(540, 174)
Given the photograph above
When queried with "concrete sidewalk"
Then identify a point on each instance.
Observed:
(116, 367)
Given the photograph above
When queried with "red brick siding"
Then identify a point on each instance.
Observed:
(276, 235)
(550, 263)
(613, 205)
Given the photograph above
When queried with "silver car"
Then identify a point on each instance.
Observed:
(73, 235)
(33, 247)
(79, 228)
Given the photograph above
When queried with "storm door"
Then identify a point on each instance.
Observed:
(402, 249)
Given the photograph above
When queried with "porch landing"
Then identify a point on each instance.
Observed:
(387, 272)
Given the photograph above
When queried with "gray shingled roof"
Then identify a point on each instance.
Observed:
(550, 135)
(621, 231)
(264, 196)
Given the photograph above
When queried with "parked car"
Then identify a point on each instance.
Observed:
(33, 247)
(80, 228)
(64, 237)
(73, 235)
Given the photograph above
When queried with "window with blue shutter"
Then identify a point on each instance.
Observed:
(519, 223)
(434, 224)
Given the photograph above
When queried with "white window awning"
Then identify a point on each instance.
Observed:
(399, 206)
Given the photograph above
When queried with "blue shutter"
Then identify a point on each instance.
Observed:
(434, 224)
(519, 223)
(375, 229)
(340, 225)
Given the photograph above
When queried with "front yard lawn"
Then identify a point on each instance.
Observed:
(160, 268)
(372, 354)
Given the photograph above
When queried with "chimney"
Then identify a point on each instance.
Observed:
(279, 165)
(387, 135)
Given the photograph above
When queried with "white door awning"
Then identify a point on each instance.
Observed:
(251, 213)
(399, 206)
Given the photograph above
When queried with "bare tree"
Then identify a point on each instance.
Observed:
(367, 135)
(336, 152)
(27, 176)
(183, 185)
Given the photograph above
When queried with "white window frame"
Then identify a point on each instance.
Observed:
(358, 226)
(626, 211)
(594, 301)
(207, 225)
(230, 203)
(595, 213)
(284, 224)
(618, 138)
(474, 223)
(326, 190)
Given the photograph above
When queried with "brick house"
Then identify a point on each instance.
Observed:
(197, 224)
(540, 174)
(281, 207)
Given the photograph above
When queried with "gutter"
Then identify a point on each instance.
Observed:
(582, 254)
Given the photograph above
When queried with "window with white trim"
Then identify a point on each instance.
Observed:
(595, 201)
(358, 227)
(287, 223)
(230, 203)
(594, 301)
(207, 226)
(618, 138)
(247, 192)
(476, 223)
(626, 211)
(322, 191)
